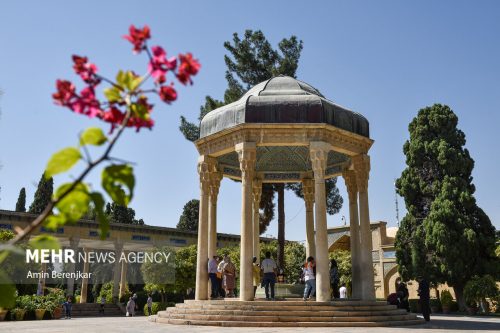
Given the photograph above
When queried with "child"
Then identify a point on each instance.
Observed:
(67, 307)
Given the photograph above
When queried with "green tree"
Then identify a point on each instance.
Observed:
(21, 201)
(189, 217)
(120, 214)
(185, 268)
(343, 259)
(160, 276)
(445, 236)
(251, 60)
(43, 195)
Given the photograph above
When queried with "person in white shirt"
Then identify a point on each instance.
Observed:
(343, 291)
(269, 267)
(310, 278)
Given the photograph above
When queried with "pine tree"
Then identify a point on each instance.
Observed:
(252, 60)
(43, 195)
(21, 201)
(190, 215)
(445, 236)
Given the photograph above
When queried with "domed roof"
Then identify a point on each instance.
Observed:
(283, 100)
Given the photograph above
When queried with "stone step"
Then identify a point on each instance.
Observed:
(289, 324)
(270, 306)
(275, 318)
(285, 313)
(232, 301)
(92, 310)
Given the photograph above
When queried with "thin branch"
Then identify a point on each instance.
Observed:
(48, 209)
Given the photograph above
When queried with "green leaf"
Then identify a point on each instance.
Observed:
(99, 203)
(113, 94)
(62, 161)
(75, 204)
(55, 221)
(113, 177)
(42, 242)
(140, 110)
(93, 136)
(128, 80)
(7, 291)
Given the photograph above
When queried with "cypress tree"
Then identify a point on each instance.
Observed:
(21, 201)
(445, 236)
(43, 195)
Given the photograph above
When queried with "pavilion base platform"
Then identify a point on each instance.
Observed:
(287, 313)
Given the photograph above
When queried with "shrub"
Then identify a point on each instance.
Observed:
(435, 303)
(157, 306)
(446, 298)
(479, 288)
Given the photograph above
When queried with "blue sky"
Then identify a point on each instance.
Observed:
(384, 59)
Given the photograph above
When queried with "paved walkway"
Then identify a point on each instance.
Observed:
(141, 324)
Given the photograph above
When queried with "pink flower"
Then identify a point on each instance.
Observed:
(188, 67)
(87, 104)
(138, 37)
(167, 94)
(65, 93)
(159, 64)
(86, 70)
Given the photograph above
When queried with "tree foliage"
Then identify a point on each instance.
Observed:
(120, 214)
(21, 201)
(43, 195)
(190, 215)
(445, 236)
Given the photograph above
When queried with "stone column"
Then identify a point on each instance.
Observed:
(201, 291)
(257, 194)
(319, 154)
(361, 165)
(308, 190)
(247, 156)
(85, 281)
(352, 190)
(73, 244)
(116, 272)
(215, 179)
(123, 278)
(41, 281)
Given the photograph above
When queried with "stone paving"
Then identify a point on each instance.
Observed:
(438, 323)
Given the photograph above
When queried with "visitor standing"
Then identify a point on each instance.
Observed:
(212, 274)
(103, 302)
(130, 307)
(403, 295)
(220, 276)
(310, 279)
(229, 277)
(334, 278)
(149, 302)
(269, 267)
(343, 291)
(424, 293)
(67, 307)
(256, 275)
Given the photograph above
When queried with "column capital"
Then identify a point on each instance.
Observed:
(350, 183)
(257, 191)
(215, 179)
(318, 151)
(247, 155)
(361, 165)
(308, 191)
(205, 168)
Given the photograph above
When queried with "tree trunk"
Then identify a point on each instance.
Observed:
(459, 294)
(281, 225)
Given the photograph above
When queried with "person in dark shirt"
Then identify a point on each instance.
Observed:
(403, 295)
(424, 293)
